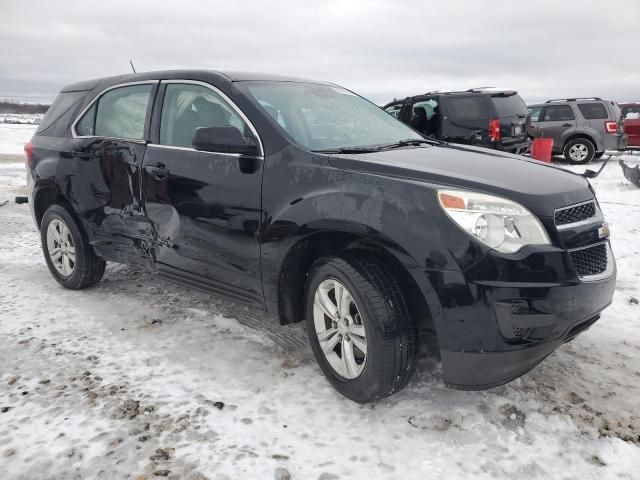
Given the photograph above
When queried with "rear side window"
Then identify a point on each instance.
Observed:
(509, 106)
(467, 108)
(535, 113)
(558, 113)
(593, 111)
(63, 102)
(119, 113)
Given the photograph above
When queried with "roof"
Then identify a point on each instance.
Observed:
(212, 76)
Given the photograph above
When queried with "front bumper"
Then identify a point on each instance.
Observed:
(503, 315)
(543, 319)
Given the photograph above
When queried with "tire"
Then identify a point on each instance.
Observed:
(579, 151)
(376, 309)
(598, 155)
(61, 234)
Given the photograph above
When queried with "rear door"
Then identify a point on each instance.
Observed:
(205, 206)
(512, 113)
(104, 181)
(557, 122)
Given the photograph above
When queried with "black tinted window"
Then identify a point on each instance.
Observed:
(60, 106)
(593, 111)
(467, 108)
(121, 113)
(509, 106)
(85, 125)
(558, 113)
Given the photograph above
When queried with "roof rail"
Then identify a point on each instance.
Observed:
(572, 99)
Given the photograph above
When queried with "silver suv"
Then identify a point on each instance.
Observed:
(581, 128)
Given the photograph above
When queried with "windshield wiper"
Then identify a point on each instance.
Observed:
(410, 142)
(348, 150)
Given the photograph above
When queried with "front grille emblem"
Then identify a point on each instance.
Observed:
(603, 231)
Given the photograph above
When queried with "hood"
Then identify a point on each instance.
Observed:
(540, 187)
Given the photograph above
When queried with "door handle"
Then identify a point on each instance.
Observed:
(566, 124)
(158, 170)
(81, 153)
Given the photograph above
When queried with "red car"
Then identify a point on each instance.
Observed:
(631, 117)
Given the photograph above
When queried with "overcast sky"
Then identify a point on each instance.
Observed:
(379, 48)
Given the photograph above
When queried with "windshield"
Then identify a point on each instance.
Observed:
(324, 117)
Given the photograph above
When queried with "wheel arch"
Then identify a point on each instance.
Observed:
(577, 135)
(295, 269)
(43, 197)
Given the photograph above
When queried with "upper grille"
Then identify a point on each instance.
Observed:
(591, 260)
(576, 213)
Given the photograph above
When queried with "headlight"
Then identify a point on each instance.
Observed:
(497, 222)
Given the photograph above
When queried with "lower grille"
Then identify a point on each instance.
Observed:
(591, 260)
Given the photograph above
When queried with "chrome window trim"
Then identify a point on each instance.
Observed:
(230, 102)
(189, 149)
(74, 134)
(610, 263)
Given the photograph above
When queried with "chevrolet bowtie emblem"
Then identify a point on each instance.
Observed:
(603, 231)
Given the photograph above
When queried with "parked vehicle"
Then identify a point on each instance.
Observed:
(631, 119)
(581, 128)
(306, 200)
(485, 117)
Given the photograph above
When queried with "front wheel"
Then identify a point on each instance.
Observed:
(579, 151)
(69, 256)
(360, 328)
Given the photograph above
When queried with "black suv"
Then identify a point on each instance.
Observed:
(303, 199)
(484, 117)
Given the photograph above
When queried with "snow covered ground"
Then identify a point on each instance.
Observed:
(14, 136)
(138, 378)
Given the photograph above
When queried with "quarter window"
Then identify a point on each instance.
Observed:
(593, 111)
(558, 113)
(119, 113)
(535, 113)
(467, 108)
(187, 107)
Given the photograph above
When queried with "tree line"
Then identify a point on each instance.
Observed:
(7, 106)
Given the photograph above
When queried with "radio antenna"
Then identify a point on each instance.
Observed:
(132, 67)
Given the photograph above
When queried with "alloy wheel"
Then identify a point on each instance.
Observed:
(60, 247)
(339, 327)
(578, 152)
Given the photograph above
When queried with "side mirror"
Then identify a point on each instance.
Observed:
(223, 140)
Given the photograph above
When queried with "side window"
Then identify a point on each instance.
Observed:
(593, 111)
(86, 124)
(394, 109)
(467, 108)
(558, 113)
(187, 107)
(535, 113)
(119, 113)
(425, 117)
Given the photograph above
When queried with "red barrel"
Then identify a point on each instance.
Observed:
(541, 149)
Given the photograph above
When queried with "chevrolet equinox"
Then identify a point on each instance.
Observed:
(303, 199)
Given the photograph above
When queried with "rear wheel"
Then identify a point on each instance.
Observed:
(70, 258)
(579, 151)
(360, 328)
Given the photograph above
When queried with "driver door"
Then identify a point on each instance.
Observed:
(205, 206)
